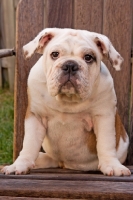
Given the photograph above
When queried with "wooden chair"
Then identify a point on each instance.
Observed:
(111, 18)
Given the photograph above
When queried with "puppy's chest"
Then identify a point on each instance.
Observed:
(69, 131)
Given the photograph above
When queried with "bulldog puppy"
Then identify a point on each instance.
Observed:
(72, 105)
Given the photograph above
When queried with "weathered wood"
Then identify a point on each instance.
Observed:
(117, 25)
(66, 189)
(65, 171)
(25, 198)
(29, 23)
(69, 177)
(62, 184)
(31, 198)
(130, 155)
(59, 13)
(7, 26)
(88, 15)
(7, 52)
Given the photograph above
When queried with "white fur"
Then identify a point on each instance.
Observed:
(60, 118)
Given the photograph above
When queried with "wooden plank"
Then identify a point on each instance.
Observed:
(130, 154)
(66, 171)
(88, 15)
(31, 198)
(59, 13)
(69, 177)
(29, 23)
(66, 189)
(119, 29)
(22, 198)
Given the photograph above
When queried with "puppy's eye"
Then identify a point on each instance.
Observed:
(55, 55)
(88, 58)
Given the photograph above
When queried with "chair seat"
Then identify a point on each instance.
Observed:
(65, 184)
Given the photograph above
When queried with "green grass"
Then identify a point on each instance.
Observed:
(6, 127)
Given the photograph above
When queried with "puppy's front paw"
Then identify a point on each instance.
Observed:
(20, 166)
(114, 169)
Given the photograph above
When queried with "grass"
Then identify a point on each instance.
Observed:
(6, 126)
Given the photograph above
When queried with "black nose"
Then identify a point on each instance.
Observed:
(70, 67)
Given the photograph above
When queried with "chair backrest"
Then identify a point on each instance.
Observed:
(112, 18)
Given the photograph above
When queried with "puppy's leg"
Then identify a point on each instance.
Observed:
(122, 139)
(45, 161)
(104, 127)
(34, 135)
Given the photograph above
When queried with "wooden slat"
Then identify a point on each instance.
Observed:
(32, 198)
(130, 155)
(63, 171)
(117, 25)
(25, 198)
(69, 177)
(59, 173)
(29, 23)
(88, 15)
(59, 13)
(62, 184)
(66, 189)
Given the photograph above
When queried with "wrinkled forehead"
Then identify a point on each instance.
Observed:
(74, 41)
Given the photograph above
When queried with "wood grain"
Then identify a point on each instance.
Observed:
(62, 184)
(26, 198)
(59, 13)
(32, 198)
(7, 52)
(69, 177)
(88, 15)
(117, 25)
(130, 154)
(29, 23)
(66, 189)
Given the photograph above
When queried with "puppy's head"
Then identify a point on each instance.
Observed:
(72, 60)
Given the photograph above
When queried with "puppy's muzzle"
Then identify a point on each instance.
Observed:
(70, 67)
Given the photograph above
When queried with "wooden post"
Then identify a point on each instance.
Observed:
(130, 155)
(88, 15)
(29, 23)
(119, 29)
(59, 13)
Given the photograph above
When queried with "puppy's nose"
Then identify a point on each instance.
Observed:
(70, 67)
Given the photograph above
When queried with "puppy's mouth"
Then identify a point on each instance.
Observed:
(68, 92)
(68, 88)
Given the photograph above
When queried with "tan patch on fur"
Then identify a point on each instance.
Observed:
(120, 130)
(25, 54)
(92, 142)
(119, 57)
(61, 164)
(115, 62)
(28, 112)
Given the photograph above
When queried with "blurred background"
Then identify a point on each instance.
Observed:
(7, 66)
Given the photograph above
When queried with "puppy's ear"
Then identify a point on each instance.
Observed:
(39, 42)
(108, 51)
